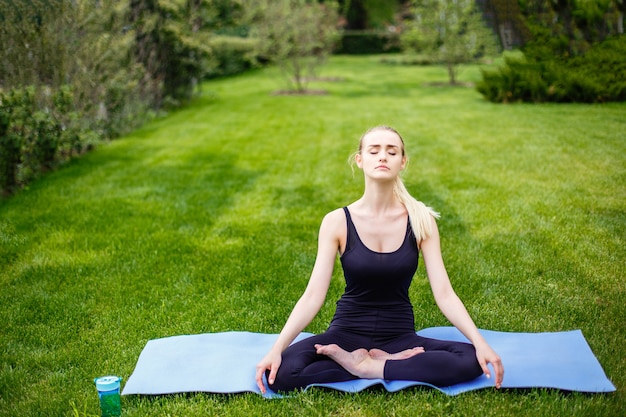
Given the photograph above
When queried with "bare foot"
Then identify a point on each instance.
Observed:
(405, 354)
(358, 363)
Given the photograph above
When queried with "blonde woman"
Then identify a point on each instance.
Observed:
(372, 334)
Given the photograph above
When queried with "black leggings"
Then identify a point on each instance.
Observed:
(443, 363)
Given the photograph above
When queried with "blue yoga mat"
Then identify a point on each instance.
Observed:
(225, 363)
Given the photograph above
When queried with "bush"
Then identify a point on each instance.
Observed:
(518, 80)
(233, 54)
(9, 154)
(368, 42)
(102, 68)
(599, 75)
(38, 131)
(89, 88)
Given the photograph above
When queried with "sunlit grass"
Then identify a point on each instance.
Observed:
(206, 221)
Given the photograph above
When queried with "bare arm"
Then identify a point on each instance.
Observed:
(311, 300)
(452, 307)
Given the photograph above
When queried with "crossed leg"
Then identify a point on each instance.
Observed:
(315, 360)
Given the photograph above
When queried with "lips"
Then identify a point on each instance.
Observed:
(382, 167)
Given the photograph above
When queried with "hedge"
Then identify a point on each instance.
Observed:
(599, 75)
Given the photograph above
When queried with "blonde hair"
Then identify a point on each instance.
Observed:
(420, 215)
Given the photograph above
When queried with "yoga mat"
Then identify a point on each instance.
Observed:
(225, 363)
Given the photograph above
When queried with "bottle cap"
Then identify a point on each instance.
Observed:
(107, 383)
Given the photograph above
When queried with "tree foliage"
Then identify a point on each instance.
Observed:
(67, 79)
(568, 28)
(451, 32)
(62, 42)
(369, 14)
(76, 72)
(297, 35)
(171, 42)
(576, 53)
(505, 17)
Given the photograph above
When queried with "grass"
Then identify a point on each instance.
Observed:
(206, 221)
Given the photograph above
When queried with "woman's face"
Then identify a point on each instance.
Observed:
(381, 155)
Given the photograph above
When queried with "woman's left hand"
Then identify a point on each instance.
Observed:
(485, 354)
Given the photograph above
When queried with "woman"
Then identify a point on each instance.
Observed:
(372, 334)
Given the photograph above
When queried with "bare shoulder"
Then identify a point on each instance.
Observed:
(334, 229)
(334, 221)
(433, 240)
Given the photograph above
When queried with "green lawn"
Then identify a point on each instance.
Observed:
(206, 221)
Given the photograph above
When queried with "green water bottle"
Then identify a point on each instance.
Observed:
(109, 393)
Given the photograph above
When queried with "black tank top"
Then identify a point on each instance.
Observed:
(376, 297)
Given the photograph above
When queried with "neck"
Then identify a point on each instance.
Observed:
(378, 198)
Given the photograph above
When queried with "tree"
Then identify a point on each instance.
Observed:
(567, 28)
(451, 32)
(297, 35)
(505, 18)
(171, 42)
(75, 72)
(369, 14)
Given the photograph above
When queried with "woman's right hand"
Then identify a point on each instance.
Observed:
(271, 362)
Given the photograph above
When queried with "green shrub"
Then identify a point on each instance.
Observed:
(368, 42)
(519, 79)
(39, 130)
(233, 54)
(599, 75)
(9, 153)
(46, 138)
(18, 108)
(171, 42)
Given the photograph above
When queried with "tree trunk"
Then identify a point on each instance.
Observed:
(451, 73)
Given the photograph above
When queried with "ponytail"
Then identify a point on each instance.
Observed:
(420, 215)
